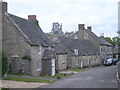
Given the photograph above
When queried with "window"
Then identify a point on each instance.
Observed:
(76, 52)
(75, 36)
(77, 61)
(86, 36)
(38, 65)
(40, 49)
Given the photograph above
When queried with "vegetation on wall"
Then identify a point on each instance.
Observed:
(4, 63)
(26, 57)
(37, 23)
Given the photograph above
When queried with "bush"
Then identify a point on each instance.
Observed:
(26, 57)
(4, 64)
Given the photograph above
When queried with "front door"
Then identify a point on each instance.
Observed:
(53, 67)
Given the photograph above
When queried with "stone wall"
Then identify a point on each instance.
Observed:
(69, 61)
(20, 66)
(15, 44)
(62, 61)
(89, 61)
(46, 68)
(36, 57)
(13, 41)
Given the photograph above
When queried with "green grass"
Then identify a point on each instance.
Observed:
(29, 79)
(61, 75)
(76, 69)
(4, 89)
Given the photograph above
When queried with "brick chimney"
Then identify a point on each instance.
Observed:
(32, 17)
(81, 26)
(3, 7)
(89, 28)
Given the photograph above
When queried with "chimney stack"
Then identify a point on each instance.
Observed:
(32, 17)
(3, 7)
(81, 26)
(89, 28)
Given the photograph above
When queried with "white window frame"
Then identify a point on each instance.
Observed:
(76, 37)
(38, 65)
(39, 49)
(76, 52)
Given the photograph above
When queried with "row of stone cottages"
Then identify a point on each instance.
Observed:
(30, 52)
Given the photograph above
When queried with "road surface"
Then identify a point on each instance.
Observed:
(98, 77)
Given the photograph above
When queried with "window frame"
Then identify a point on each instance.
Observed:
(38, 65)
(39, 49)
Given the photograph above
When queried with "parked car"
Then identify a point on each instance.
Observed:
(114, 61)
(110, 61)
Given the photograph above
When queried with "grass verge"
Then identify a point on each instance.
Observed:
(58, 76)
(76, 69)
(28, 79)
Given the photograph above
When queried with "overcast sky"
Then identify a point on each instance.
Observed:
(102, 15)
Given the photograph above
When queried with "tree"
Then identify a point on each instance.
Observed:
(114, 40)
(110, 40)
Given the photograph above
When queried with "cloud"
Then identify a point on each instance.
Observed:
(100, 14)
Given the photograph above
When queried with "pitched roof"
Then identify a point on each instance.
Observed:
(98, 39)
(59, 49)
(95, 37)
(32, 33)
(105, 42)
(84, 46)
(48, 54)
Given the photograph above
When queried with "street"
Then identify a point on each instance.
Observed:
(98, 77)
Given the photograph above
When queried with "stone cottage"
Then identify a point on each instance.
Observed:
(48, 63)
(105, 48)
(22, 39)
(81, 53)
(61, 57)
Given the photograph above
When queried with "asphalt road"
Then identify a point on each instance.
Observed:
(98, 77)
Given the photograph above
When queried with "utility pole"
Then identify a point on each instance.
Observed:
(118, 30)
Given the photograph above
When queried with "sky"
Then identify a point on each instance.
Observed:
(102, 15)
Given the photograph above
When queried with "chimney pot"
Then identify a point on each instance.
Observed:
(32, 17)
(81, 26)
(89, 28)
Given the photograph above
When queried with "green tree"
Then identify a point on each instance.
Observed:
(115, 40)
(110, 40)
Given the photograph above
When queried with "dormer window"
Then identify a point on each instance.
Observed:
(76, 52)
(86, 36)
(39, 49)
